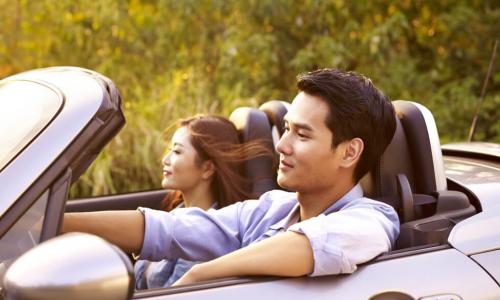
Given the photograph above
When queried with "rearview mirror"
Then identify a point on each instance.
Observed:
(72, 266)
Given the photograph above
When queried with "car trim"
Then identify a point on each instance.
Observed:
(487, 151)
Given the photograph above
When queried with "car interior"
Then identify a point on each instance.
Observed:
(409, 175)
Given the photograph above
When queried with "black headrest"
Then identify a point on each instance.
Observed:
(381, 181)
(252, 124)
(275, 111)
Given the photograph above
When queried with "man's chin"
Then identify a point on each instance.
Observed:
(284, 182)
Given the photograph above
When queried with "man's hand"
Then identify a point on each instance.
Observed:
(286, 254)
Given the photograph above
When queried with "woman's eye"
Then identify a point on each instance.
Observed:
(176, 151)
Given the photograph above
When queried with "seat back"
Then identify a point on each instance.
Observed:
(252, 124)
(414, 152)
(410, 176)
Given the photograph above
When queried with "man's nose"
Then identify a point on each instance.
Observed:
(283, 146)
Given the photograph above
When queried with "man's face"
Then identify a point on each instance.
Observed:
(307, 161)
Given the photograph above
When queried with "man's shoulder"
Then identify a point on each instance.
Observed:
(365, 201)
(374, 205)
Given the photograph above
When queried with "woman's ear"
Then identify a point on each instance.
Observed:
(208, 169)
(352, 152)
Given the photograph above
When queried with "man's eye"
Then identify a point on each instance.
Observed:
(301, 135)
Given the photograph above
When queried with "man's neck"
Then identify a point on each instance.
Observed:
(314, 203)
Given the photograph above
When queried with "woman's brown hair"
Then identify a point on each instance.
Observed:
(216, 139)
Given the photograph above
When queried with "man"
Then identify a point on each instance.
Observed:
(336, 128)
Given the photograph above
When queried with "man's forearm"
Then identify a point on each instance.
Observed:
(286, 254)
(122, 228)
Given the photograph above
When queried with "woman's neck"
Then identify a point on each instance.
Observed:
(200, 197)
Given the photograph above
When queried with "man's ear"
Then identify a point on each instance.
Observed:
(352, 152)
(208, 169)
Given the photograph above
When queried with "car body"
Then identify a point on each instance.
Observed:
(66, 115)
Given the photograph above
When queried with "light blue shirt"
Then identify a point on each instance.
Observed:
(160, 274)
(351, 231)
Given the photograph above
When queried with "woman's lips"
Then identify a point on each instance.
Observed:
(167, 173)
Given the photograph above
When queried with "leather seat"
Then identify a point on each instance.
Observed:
(410, 176)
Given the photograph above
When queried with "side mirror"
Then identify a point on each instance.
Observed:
(71, 266)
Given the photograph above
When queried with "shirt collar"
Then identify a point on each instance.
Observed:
(355, 193)
(286, 220)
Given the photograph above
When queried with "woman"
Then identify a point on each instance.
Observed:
(203, 168)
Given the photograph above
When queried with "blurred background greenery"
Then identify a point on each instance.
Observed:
(174, 58)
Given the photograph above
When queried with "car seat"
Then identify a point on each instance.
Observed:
(410, 176)
(252, 125)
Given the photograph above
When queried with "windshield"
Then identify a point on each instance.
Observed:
(26, 108)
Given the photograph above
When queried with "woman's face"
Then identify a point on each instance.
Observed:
(180, 170)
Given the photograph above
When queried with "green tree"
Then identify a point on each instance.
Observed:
(172, 59)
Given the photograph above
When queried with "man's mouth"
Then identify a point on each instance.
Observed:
(284, 165)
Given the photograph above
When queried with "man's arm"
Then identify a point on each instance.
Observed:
(285, 254)
(124, 228)
(340, 241)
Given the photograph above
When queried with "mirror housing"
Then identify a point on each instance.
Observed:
(71, 266)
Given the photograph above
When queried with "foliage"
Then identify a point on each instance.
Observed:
(172, 59)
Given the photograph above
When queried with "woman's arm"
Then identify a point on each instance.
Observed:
(124, 228)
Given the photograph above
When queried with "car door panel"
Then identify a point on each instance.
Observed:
(444, 272)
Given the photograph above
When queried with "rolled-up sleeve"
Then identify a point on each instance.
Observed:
(342, 240)
(190, 233)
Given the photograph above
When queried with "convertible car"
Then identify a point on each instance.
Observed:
(55, 121)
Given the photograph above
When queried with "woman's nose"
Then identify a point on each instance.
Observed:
(166, 158)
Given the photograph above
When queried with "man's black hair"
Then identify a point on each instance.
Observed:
(356, 109)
